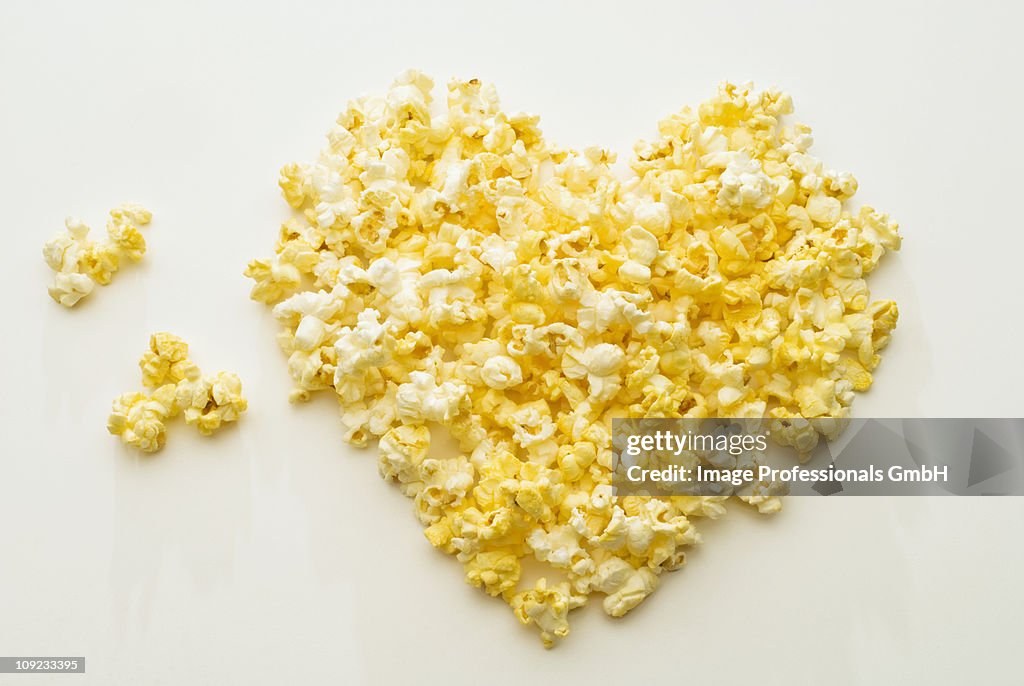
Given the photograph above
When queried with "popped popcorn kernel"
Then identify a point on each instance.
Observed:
(208, 402)
(79, 262)
(451, 271)
(165, 362)
(139, 420)
(547, 607)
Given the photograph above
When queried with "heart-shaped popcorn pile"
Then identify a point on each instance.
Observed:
(452, 271)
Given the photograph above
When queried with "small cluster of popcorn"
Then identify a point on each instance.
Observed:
(79, 262)
(451, 271)
(175, 386)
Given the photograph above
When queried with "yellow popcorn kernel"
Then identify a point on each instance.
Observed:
(575, 459)
(402, 449)
(139, 419)
(68, 289)
(99, 262)
(884, 313)
(130, 214)
(856, 374)
(626, 590)
(496, 571)
(209, 401)
(275, 279)
(439, 534)
(547, 608)
(228, 403)
(823, 209)
(796, 432)
(294, 185)
(126, 240)
(165, 362)
(765, 504)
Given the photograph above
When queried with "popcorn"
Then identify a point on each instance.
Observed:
(455, 274)
(139, 418)
(423, 400)
(626, 589)
(497, 571)
(166, 362)
(178, 387)
(68, 289)
(208, 402)
(275, 279)
(402, 449)
(745, 188)
(547, 608)
(79, 262)
(823, 209)
(501, 372)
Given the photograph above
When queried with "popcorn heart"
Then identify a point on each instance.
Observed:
(451, 271)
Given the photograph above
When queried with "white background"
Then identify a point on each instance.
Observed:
(273, 553)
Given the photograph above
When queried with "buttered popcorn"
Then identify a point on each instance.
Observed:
(452, 272)
(79, 262)
(175, 386)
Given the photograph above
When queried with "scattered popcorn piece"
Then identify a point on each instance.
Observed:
(496, 571)
(139, 418)
(627, 590)
(68, 289)
(178, 387)
(79, 262)
(208, 402)
(166, 362)
(547, 607)
(456, 275)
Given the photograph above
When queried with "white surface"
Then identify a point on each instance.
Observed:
(274, 554)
